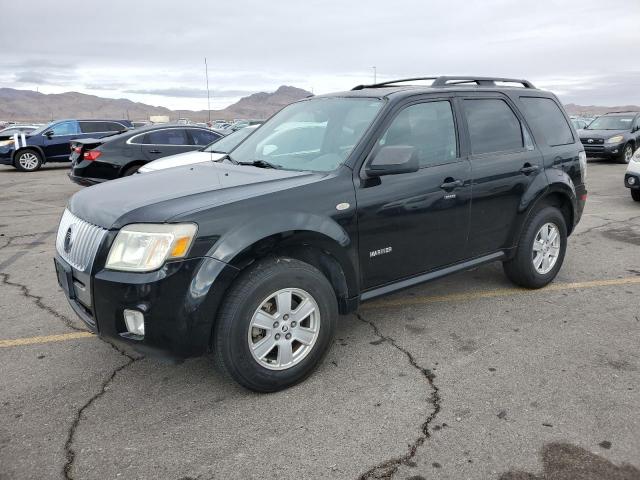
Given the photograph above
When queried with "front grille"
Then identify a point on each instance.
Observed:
(592, 141)
(78, 241)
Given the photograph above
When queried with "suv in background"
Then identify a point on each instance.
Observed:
(50, 143)
(253, 257)
(613, 135)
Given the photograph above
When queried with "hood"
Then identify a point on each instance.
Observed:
(601, 133)
(187, 158)
(160, 196)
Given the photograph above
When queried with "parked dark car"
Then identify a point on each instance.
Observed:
(97, 160)
(50, 143)
(253, 257)
(613, 135)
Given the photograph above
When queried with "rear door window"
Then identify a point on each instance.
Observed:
(493, 127)
(172, 136)
(545, 115)
(202, 137)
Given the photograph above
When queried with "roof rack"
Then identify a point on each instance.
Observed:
(445, 81)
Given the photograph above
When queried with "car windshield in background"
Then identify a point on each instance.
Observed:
(611, 123)
(228, 143)
(316, 135)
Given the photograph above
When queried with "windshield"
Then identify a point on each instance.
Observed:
(611, 123)
(316, 134)
(228, 143)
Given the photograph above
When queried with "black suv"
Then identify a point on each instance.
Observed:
(50, 143)
(613, 135)
(383, 187)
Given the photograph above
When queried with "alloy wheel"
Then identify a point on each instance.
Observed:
(546, 248)
(28, 161)
(284, 329)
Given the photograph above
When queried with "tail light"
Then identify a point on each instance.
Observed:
(91, 155)
(77, 150)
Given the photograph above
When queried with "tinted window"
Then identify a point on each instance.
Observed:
(65, 128)
(173, 136)
(547, 117)
(203, 137)
(101, 127)
(493, 127)
(429, 128)
(114, 127)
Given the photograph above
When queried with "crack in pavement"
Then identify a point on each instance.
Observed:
(37, 300)
(70, 453)
(388, 468)
(604, 225)
(11, 238)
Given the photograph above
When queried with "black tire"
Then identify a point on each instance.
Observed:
(131, 170)
(635, 194)
(232, 353)
(626, 154)
(27, 160)
(520, 269)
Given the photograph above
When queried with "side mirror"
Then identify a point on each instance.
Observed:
(393, 159)
(48, 133)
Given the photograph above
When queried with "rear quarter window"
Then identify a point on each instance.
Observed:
(545, 115)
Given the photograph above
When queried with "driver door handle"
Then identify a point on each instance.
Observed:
(528, 168)
(450, 184)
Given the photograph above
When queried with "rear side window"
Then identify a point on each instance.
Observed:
(173, 136)
(493, 127)
(429, 128)
(546, 116)
(203, 137)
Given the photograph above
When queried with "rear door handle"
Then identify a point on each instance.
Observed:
(528, 168)
(450, 184)
(155, 151)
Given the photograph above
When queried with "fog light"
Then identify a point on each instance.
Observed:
(134, 321)
(631, 180)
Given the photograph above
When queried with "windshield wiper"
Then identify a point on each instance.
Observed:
(261, 164)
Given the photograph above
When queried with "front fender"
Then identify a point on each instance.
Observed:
(244, 235)
(31, 147)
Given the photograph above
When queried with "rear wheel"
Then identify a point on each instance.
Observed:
(540, 251)
(131, 170)
(27, 160)
(276, 324)
(635, 194)
(626, 154)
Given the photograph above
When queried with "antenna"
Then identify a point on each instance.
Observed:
(206, 73)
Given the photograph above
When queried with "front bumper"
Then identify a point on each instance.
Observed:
(178, 303)
(636, 183)
(6, 156)
(605, 150)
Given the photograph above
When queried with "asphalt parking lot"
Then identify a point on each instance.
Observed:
(465, 378)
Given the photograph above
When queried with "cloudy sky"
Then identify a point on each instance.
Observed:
(153, 51)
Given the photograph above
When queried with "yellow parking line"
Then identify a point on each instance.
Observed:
(499, 292)
(16, 342)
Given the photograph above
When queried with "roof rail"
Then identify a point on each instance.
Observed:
(623, 111)
(445, 81)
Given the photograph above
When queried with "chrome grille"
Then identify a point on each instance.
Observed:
(78, 241)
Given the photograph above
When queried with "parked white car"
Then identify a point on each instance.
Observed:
(210, 153)
(632, 177)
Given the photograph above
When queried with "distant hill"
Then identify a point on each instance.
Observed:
(573, 109)
(30, 106)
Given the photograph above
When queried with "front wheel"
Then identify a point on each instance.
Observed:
(540, 251)
(635, 194)
(276, 324)
(626, 154)
(28, 161)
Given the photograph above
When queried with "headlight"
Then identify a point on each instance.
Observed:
(616, 139)
(144, 247)
(636, 156)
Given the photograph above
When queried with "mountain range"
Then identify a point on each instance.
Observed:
(30, 106)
